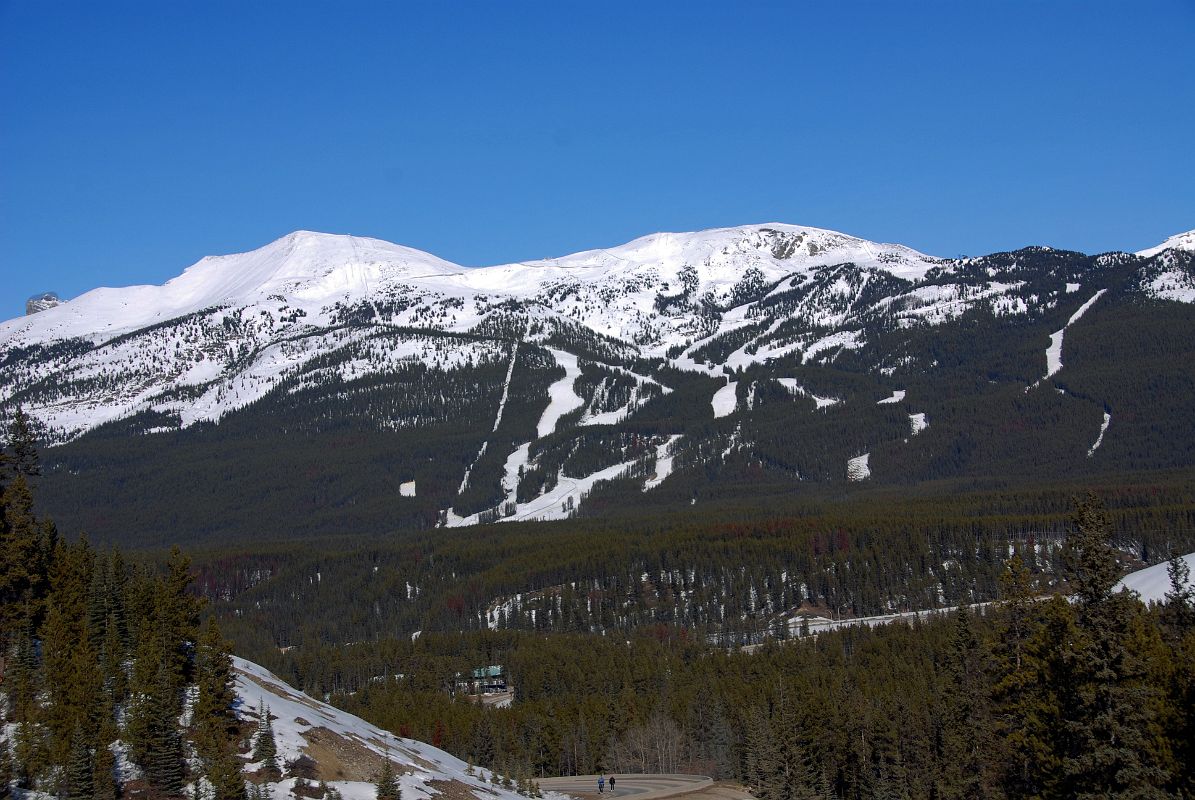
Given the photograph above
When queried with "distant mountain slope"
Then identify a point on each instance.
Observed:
(1179, 241)
(350, 384)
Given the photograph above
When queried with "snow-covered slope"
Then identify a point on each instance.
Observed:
(1152, 583)
(342, 743)
(308, 270)
(1179, 241)
(230, 328)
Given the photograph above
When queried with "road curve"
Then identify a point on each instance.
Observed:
(641, 787)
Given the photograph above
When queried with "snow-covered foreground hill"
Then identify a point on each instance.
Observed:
(349, 751)
(1152, 583)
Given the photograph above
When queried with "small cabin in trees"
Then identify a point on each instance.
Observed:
(483, 680)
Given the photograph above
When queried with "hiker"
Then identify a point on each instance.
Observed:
(601, 784)
(611, 784)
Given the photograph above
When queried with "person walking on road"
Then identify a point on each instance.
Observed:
(611, 784)
(601, 784)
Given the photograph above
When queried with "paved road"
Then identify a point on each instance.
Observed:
(641, 787)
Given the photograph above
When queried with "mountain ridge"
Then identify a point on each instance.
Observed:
(320, 267)
(522, 391)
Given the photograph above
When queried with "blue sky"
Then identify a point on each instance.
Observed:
(137, 137)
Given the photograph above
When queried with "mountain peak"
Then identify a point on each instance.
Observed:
(1179, 241)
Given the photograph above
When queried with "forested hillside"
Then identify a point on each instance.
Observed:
(622, 639)
(1036, 696)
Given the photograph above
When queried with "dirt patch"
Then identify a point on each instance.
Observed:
(342, 759)
(455, 790)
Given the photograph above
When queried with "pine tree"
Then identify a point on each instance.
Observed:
(1110, 718)
(163, 756)
(80, 771)
(5, 769)
(265, 749)
(387, 783)
(71, 667)
(23, 444)
(227, 779)
(24, 580)
(966, 728)
(213, 715)
(23, 678)
(104, 782)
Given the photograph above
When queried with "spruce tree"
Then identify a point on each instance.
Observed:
(387, 783)
(1178, 613)
(213, 715)
(24, 581)
(23, 443)
(1110, 718)
(5, 769)
(104, 782)
(265, 749)
(967, 744)
(227, 779)
(80, 770)
(162, 758)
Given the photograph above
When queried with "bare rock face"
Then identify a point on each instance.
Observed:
(40, 302)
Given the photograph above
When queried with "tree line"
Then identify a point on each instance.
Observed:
(99, 657)
(1087, 694)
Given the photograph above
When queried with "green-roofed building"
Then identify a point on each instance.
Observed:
(483, 680)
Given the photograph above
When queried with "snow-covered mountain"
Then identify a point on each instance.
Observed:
(235, 325)
(1179, 241)
(314, 272)
(782, 336)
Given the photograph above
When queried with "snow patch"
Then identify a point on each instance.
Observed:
(797, 389)
(1100, 439)
(917, 423)
(858, 468)
(664, 463)
(897, 396)
(406, 489)
(1054, 351)
(562, 397)
(1152, 583)
(725, 400)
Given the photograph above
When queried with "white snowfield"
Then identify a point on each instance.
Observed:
(897, 396)
(298, 720)
(562, 397)
(1179, 241)
(725, 400)
(314, 270)
(664, 463)
(1100, 439)
(859, 468)
(1152, 583)
(230, 329)
(1054, 351)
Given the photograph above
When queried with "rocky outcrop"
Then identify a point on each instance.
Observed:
(40, 302)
